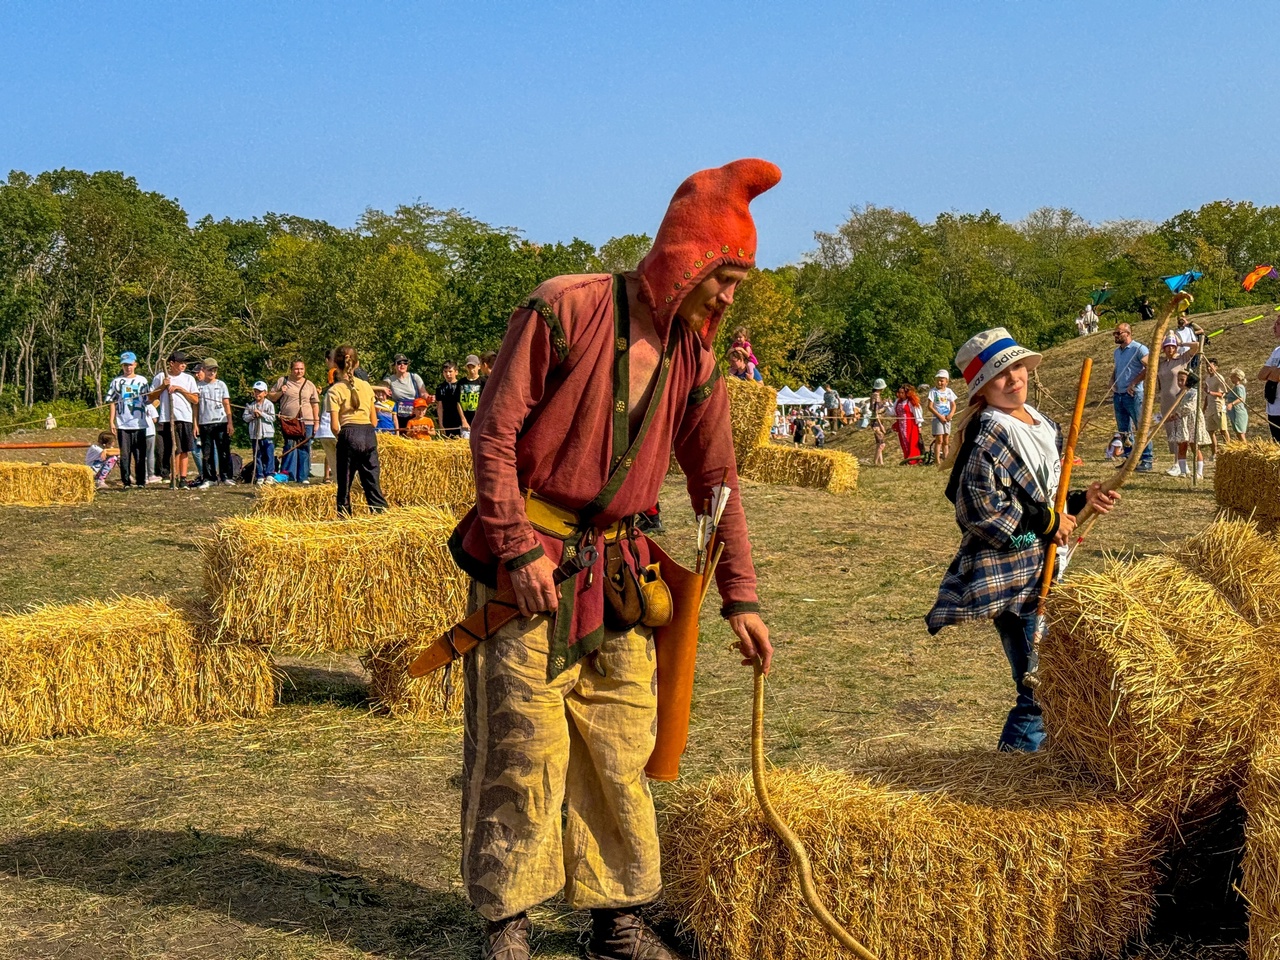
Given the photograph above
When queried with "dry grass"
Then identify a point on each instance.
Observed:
(326, 586)
(1153, 681)
(105, 667)
(968, 856)
(751, 409)
(1246, 481)
(45, 484)
(1261, 878)
(830, 470)
(293, 501)
(420, 473)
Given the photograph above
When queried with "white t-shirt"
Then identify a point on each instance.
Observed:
(943, 400)
(1186, 335)
(181, 405)
(211, 397)
(129, 396)
(152, 416)
(1036, 445)
(1273, 409)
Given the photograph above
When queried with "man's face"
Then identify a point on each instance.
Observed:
(298, 370)
(1122, 334)
(450, 374)
(210, 374)
(176, 367)
(473, 371)
(1213, 367)
(1182, 321)
(712, 296)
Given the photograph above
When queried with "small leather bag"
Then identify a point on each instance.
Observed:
(624, 605)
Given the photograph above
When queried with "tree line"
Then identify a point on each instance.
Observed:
(91, 265)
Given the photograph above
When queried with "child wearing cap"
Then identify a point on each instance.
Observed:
(469, 392)
(101, 457)
(942, 403)
(421, 427)
(128, 394)
(1003, 482)
(261, 417)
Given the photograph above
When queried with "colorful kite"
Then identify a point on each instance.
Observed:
(1259, 273)
(1182, 280)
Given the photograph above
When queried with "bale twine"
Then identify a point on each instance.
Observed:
(1152, 681)
(1246, 481)
(829, 470)
(751, 409)
(963, 856)
(103, 667)
(45, 484)
(1260, 880)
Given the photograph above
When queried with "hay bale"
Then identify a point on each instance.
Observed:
(45, 484)
(433, 698)
(828, 470)
(751, 409)
(427, 473)
(1260, 881)
(293, 501)
(1152, 681)
(968, 856)
(1246, 481)
(308, 587)
(134, 662)
(1242, 563)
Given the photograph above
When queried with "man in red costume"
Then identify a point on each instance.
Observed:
(599, 380)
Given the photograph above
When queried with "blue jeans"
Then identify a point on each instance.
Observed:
(297, 462)
(1024, 728)
(1128, 412)
(264, 458)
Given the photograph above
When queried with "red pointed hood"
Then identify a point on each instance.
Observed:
(707, 225)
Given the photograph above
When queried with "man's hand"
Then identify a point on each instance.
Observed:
(753, 639)
(535, 588)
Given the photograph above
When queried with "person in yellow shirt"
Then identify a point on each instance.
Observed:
(353, 417)
(421, 427)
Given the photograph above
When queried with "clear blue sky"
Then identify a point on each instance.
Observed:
(580, 119)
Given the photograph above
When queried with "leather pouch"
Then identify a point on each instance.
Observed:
(624, 605)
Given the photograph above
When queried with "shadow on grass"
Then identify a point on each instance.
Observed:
(306, 682)
(258, 883)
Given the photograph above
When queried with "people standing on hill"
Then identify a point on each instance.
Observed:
(1269, 374)
(831, 406)
(1003, 482)
(1185, 425)
(908, 418)
(1145, 310)
(260, 414)
(1237, 412)
(215, 427)
(1128, 386)
(297, 402)
(128, 395)
(353, 418)
(405, 387)
(152, 412)
(449, 413)
(942, 405)
(178, 394)
(1215, 406)
(1187, 332)
(1176, 357)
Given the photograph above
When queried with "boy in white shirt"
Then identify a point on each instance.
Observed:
(128, 392)
(177, 392)
(942, 404)
(215, 426)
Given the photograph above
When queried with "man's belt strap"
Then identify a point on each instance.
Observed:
(561, 522)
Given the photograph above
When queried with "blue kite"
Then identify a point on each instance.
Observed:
(1180, 282)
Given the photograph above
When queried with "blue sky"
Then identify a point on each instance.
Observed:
(569, 119)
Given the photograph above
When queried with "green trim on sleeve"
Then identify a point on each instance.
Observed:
(700, 393)
(559, 339)
(739, 606)
(621, 372)
(526, 558)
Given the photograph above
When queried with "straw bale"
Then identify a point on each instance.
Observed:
(1152, 681)
(45, 484)
(433, 698)
(296, 502)
(961, 856)
(751, 409)
(1242, 562)
(829, 470)
(1246, 481)
(101, 667)
(307, 587)
(1260, 881)
(426, 473)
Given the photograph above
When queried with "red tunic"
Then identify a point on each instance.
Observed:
(546, 423)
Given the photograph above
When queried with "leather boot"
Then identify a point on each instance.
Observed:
(622, 935)
(508, 939)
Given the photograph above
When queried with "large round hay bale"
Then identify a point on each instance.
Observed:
(45, 484)
(1246, 481)
(969, 856)
(1260, 880)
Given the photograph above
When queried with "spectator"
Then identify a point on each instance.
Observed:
(469, 398)
(1185, 426)
(152, 411)
(1090, 319)
(178, 392)
(449, 413)
(405, 388)
(352, 418)
(1145, 310)
(740, 367)
(1081, 327)
(1215, 406)
(197, 457)
(798, 430)
(261, 417)
(128, 392)
(848, 411)
(830, 405)
(741, 342)
(421, 427)
(942, 404)
(1237, 412)
(385, 410)
(214, 427)
(1173, 362)
(299, 411)
(1128, 388)
(819, 435)
(1269, 374)
(1115, 449)
(487, 360)
(878, 413)
(908, 419)
(101, 457)
(1187, 333)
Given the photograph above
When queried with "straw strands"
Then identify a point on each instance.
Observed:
(828, 470)
(968, 856)
(1260, 882)
(1246, 481)
(422, 473)
(1244, 565)
(45, 484)
(1152, 681)
(435, 697)
(751, 409)
(293, 501)
(99, 667)
(308, 587)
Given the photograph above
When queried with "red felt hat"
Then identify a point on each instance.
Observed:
(707, 225)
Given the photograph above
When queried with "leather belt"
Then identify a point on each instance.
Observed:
(561, 522)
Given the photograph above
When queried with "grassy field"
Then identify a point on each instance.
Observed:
(326, 831)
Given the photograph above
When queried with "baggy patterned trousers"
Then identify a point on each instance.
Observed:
(532, 746)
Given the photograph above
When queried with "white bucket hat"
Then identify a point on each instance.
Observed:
(879, 384)
(942, 375)
(989, 352)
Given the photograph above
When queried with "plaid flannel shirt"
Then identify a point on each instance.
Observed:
(1005, 525)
